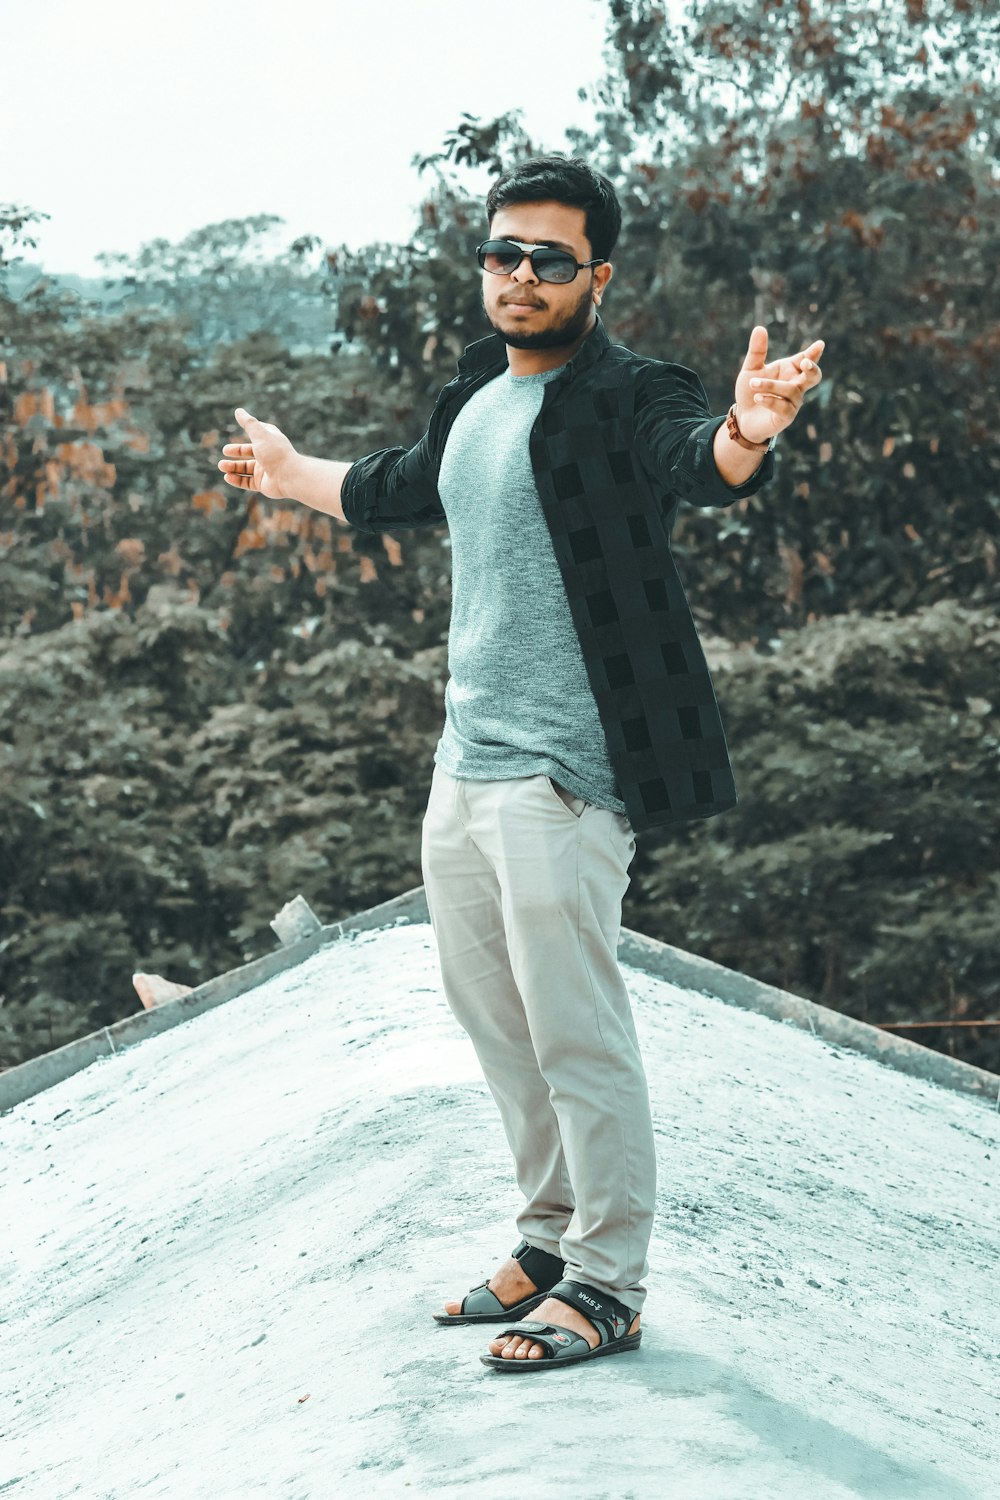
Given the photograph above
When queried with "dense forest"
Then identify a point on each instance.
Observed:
(210, 701)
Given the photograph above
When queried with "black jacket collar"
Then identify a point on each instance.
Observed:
(493, 351)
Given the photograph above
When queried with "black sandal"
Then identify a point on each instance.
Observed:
(480, 1305)
(563, 1346)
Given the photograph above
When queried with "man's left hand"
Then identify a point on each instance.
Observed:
(768, 396)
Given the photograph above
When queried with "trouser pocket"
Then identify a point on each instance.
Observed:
(569, 800)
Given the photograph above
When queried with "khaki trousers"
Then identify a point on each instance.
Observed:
(524, 884)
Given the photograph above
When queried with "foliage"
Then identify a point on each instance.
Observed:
(111, 427)
(166, 797)
(210, 701)
(829, 171)
(13, 223)
(867, 753)
(224, 281)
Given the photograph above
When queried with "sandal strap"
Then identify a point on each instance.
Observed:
(611, 1318)
(481, 1300)
(538, 1265)
(541, 1268)
(553, 1339)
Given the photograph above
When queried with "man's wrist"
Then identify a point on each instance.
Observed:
(736, 463)
(315, 482)
(293, 475)
(740, 438)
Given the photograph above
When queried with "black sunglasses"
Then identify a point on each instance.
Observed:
(503, 256)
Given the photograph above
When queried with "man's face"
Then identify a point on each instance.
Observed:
(533, 314)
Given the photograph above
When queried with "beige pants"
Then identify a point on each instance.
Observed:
(524, 885)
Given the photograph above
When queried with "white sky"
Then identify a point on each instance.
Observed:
(221, 1250)
(129, 122)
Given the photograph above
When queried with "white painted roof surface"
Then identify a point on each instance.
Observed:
(222, 1246)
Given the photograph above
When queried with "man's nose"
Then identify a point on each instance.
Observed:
(525, 272)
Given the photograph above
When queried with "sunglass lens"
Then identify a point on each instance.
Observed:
(552, 266)
(499, 256)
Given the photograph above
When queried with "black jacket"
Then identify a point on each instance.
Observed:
(619, 441)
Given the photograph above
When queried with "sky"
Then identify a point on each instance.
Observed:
(138, 122)
(222, 1247)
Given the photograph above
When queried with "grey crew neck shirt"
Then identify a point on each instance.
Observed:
(518, 701)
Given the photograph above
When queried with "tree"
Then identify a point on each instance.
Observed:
(13, 221)
(224, 281)
(204, 694)
(827, 170)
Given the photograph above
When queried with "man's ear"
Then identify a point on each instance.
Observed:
(602, 275)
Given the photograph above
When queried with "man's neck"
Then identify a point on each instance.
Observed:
(536, 361)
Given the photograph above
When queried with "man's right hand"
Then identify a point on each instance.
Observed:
(264, 463)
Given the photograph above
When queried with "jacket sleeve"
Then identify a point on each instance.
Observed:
(674, 434)
(394, 489)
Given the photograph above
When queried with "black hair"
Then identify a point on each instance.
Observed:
(566, 179)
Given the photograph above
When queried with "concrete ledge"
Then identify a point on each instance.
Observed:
(693, 973)
(39, 1073)
(686, 970)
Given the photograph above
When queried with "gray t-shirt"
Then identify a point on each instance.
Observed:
(518, 701)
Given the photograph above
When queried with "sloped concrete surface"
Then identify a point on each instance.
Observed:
(222, 1247)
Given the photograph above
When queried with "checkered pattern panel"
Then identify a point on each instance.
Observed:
(618, 443)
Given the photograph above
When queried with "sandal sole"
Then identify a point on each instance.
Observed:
(620, 1346)
(509, 1313)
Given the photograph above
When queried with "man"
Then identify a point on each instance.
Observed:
(579, 711)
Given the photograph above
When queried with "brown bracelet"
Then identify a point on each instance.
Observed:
(737, 436)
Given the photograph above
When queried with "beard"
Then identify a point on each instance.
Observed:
(570, 327)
